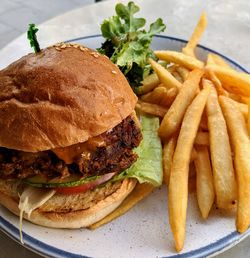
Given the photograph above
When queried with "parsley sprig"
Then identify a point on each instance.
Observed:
(31, 35)
(128, 43)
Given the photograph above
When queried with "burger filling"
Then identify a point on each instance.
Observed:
(110, 152)
(81, 201)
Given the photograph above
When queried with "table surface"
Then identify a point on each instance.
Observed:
(16, 14)
(228, 32)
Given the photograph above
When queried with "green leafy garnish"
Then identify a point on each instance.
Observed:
(148, 167)
(31, 35)
(127, 43)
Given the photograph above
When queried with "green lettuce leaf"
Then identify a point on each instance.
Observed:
(148, 167)
(127, 42)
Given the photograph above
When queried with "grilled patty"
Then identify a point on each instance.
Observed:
(114, 154)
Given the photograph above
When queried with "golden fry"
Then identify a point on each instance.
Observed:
(204, 181)
(161, 96)
(155, 96)
(178, 183)
(231, 80)
(177, 76)
(223, 171)
(248, 119)
(183, 72)
(152, 109)
(180, 58)
(217, 84)
(172, 120)
(198, 31)
(217, 60)
(210, 60)
(243, 108)
(148, 84)
(236, 97)
(202, 138)
(140, 192)
(168, 152)
(241, 99)
(172, 68)
(164, 75)
(241, 144)
(213, 77)
(169, 97)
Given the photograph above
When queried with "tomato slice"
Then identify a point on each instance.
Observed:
(84, 187)
(75, 189)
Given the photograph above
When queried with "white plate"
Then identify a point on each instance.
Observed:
(143, 231)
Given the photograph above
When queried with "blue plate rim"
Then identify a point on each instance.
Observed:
(179, 40)
(44, 249)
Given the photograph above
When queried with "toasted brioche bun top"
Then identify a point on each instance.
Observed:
(59, 97)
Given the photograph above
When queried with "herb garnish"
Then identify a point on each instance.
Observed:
(127, 44)
(31, 35)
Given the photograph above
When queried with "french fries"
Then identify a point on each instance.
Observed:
(241, 99)
(152, 109)
(202, 138)
(161, 96)
(244, 109)
(168, 152)
(177, 76)
(217, 84)
(184, 60)
(194, 39)
(173, 118)
(178, 183)
(200, 122)
(215, 181)
(222, 164)
(172, 68)
(140, 192)
(248, 119)
(165, 76)
(155, 96)
(204, 181)
(217, 60)
(169, 97)
(183, 72)
(210, 60)
(148, 84)
(232, 81)
(241, 144)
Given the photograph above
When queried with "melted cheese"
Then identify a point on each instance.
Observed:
(70, 153)
(31, 199)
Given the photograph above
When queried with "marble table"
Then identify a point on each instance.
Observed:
(228, 32)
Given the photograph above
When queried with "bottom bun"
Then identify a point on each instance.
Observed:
(72, 218)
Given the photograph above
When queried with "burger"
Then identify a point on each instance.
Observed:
(70, 141)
